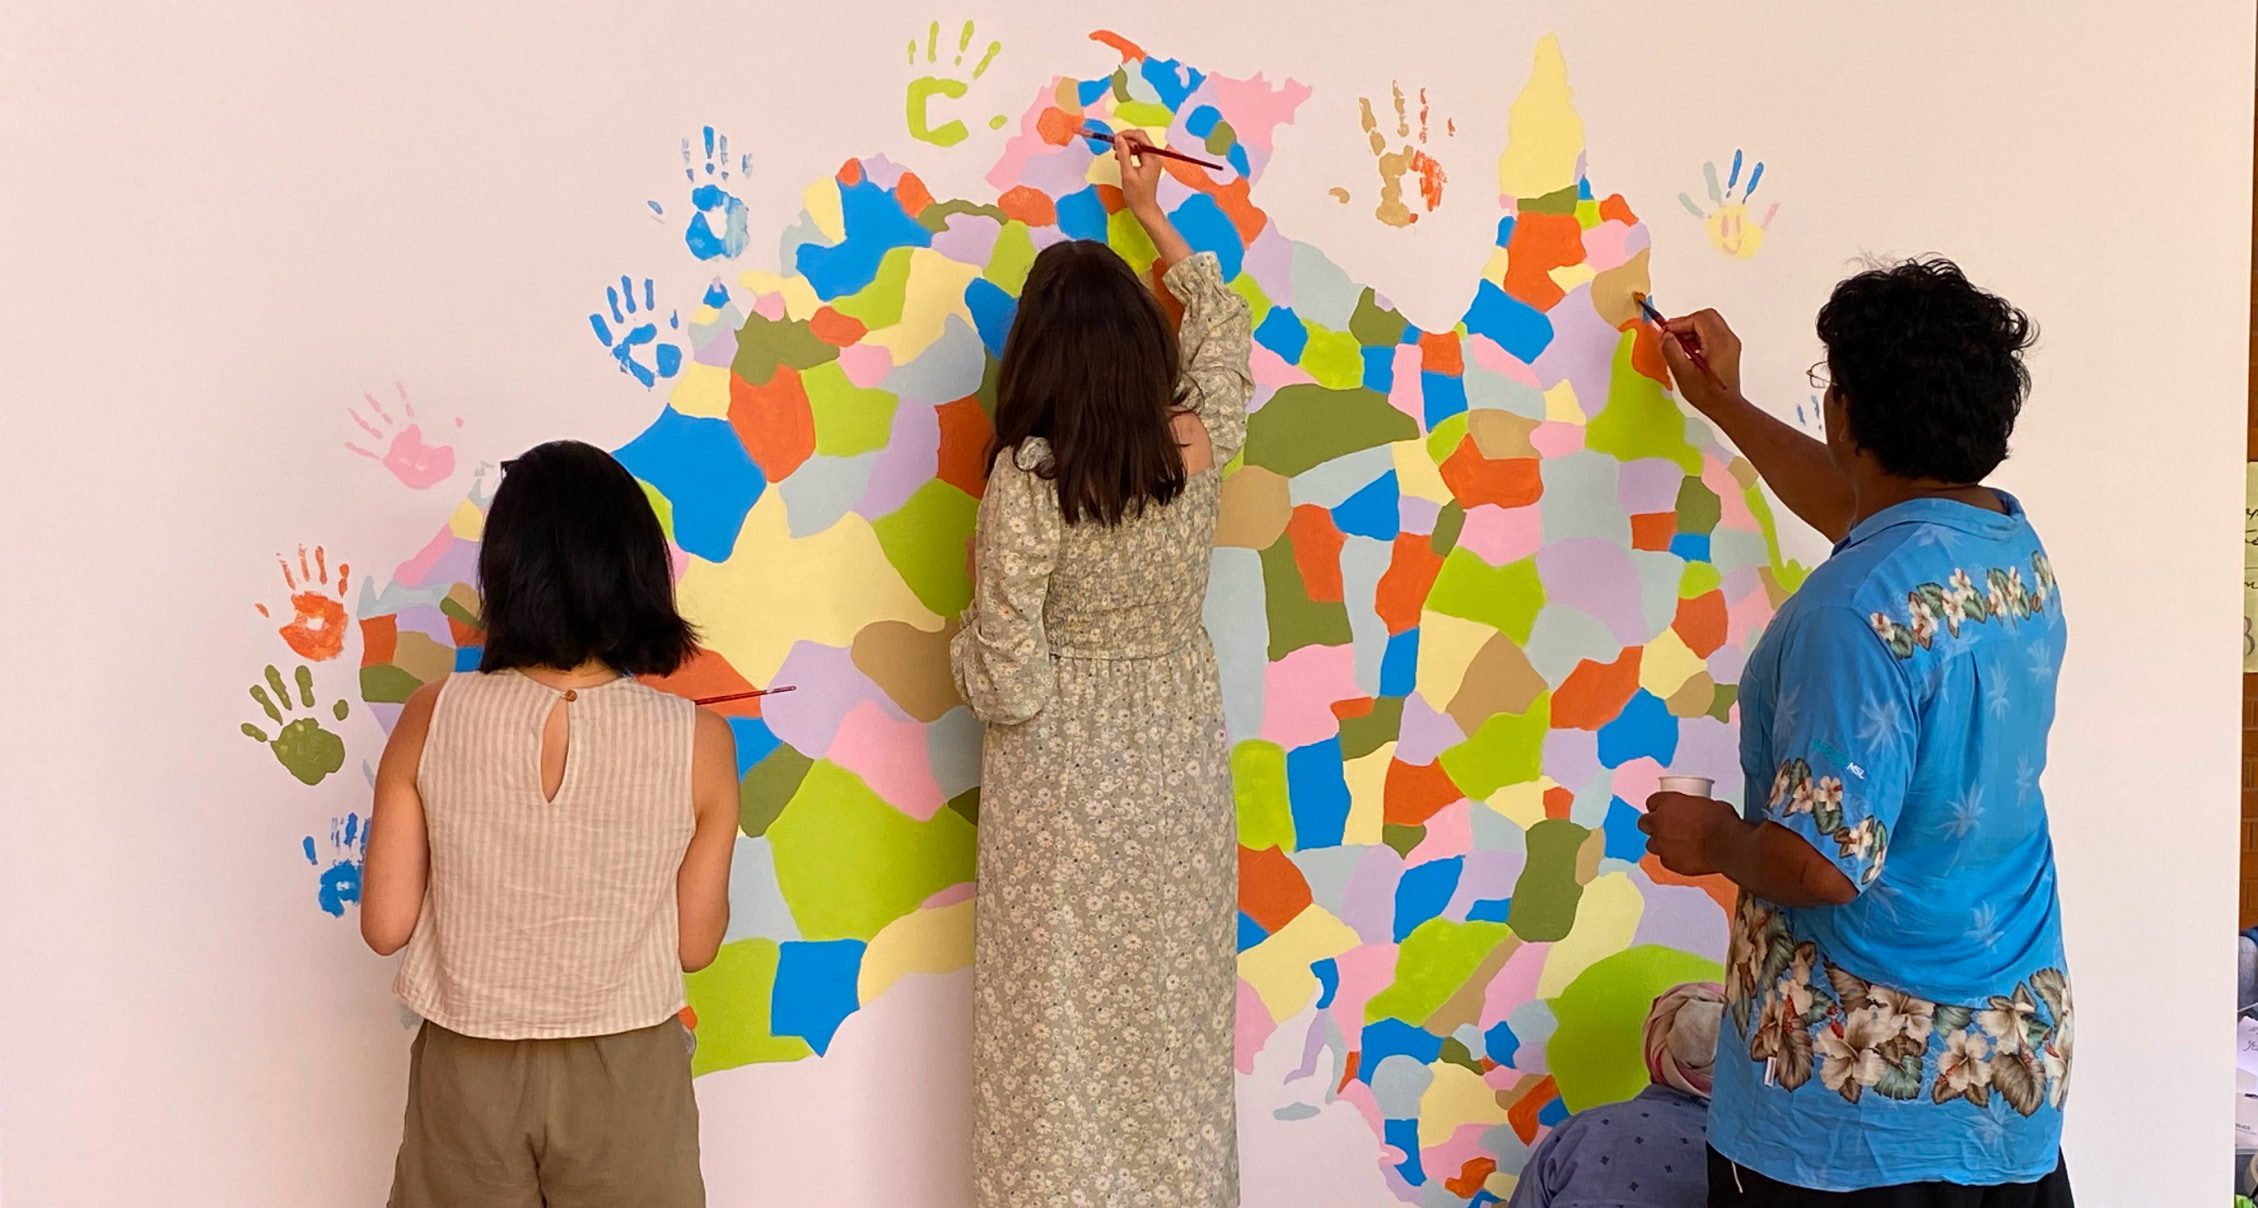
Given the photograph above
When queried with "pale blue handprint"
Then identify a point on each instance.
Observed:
(718, 228)
(634, 325)
(341, 878)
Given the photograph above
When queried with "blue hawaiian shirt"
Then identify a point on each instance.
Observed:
(1895, 715)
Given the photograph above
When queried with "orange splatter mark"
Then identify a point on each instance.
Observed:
(1474, 479)
(1128, 50)
(1058, 127)
(1559, 801)
(1646, 352)
(709, 674)
(850, 172)
(912, 194)
(1540, 244)
(1415, 792)
(1701, 623)
(1523, 1114)
(835, 329)
(1594, 693)
(965, 436)
(1272, 889)
(774, 421)
(380, 640)
(1471, 1177)
(1353, 708)
(1652, 531)
(1719, 889)
(1440, 352)
(1615, 209)
(1402, 592)
(1317, 552)
(1029, 205)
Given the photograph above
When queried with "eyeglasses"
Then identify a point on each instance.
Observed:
(1818, 376)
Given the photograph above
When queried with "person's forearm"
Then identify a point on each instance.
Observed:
(1777, 866)
(1794, 465)
(1166, 239)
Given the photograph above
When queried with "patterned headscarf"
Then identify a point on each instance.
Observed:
(1681, 1036)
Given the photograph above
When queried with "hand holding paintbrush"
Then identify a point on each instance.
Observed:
(1096, 135)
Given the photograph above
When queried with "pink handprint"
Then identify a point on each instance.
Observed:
(413, 462)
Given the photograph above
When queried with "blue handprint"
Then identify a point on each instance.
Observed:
(637, 325)
(341, 881)
(716, 206)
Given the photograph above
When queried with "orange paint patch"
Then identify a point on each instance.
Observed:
(1403, 588)
(912, 194)
(1559, 801)
(1523, 1114)
(1349, 1068)
(1415, 792)
(1652, 531)
(835, 329)
(1474, 479)
(1701, 623)
(965, 436)
(1614, 209)
(774, 421)
(1272, 890)
(1128, 50)
(709, 674)
(463, 632)
(1112, 199)
(1594, 693)
(1719, 889)
(1471, 1177)
(1238, 206)
(1540, 244)
(1029, 205)
(1058, 127)
(1646, 353)
(1353, 708)
(318, 631)
(1439, 352)
(1317, 552)
(380, 640)
(850, 173)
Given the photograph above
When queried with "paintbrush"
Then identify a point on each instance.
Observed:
(729, 696)
(1655, 317)
(1100, 136)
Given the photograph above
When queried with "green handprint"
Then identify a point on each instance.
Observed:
(299, 744)
(923, 89)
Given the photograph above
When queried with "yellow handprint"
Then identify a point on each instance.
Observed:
(923, 89)
(1728, 225)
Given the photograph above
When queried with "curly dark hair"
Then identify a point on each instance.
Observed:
(1929, 366)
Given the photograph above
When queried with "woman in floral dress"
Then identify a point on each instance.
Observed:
(1104, 972)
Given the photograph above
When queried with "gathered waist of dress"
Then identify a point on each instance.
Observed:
(1191, 641)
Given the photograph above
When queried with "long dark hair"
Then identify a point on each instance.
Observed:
(1090, 366)
(573, 568)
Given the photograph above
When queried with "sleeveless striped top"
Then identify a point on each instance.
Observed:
(545, 918)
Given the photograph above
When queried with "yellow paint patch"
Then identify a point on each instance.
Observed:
(1417, 475)
(1368, 789)
(935, 292)
(1561, 405)
(1278, 967)
(1606, 919)
(702, 390)
(1523, 803)
(776, 590)
(1456, 1098)
(468, 522)
(922, 941)
(1616, 292)
(1494, 271)
(1447, 646)
(1667, 663)
(1544, 136)
(1569, 276)
(800, 301)
(822, 202)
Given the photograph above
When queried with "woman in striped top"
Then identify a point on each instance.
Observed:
(551, 847)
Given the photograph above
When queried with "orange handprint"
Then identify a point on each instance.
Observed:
(317, 630)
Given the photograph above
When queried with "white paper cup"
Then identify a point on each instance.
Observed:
(1691, 786)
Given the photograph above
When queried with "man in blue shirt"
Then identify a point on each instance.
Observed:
(1898, 1021)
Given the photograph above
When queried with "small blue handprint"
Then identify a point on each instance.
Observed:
(341, 880)
(634, 325)
(718, 228)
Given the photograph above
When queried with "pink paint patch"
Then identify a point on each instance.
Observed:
(1607, 246)
(1270, 259)
(1449, 833)
(1364, 972)
(1257, 108)
(1491, 356)
(1359, 1096)
(1734, 513)
(1463, 1146)
(1639, 779)
(1555, 438)
(889, 754)
(1741, 582)
(414, 569)
(1500, 535)
(770, 307)
(1405, 394)
(962, 891)
(1515, 984)
(866, 365)
(1254, 1027)
(1272, 372)
(1301, 689)
(1746, 616)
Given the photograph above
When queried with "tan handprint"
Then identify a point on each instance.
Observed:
(1408, 160)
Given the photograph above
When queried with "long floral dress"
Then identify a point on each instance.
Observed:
(1105, 953)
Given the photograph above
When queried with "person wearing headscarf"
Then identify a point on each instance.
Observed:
(1651, 1150)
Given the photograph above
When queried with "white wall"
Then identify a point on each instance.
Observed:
(221, 223)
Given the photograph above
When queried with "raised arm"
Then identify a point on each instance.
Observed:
(701, 888)
(397, 868)
(1795, 466)
(1217, 334)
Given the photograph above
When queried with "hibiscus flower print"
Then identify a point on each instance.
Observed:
(1921, 620)
(1964, 1069)
(1849, 1050)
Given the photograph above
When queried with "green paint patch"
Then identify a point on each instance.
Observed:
(1721, 705)
(386, 684)
(1505, 598)
(1258, 782)
(1374, 325)
(1221, 139)
(1449, 523)
(1560, 201)
(1360, 736)
(1432, 964)
(1545, 896)
(1596, 1056)
(730, 998)
(1444, 438)
(1013, 255)
(1128, 239)
(1456, 1053)
(924, 540)
(1258, 302)
(1142, 113)
(461, 605)
(768, 787)
(1332, 358)
(1295, 619)
(1700, 579)
(878, 305)
(1403, 837)
(1304, 426)
(1509, 748)
(1699, 509)
(1587, 214)
(661, 506)
(848, 863)
(764, 344)
(849, 419)
(1640, 419)
(966, 805)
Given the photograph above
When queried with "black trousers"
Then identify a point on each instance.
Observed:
(1731, 1187)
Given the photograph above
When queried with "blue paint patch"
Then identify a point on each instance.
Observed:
(1423, 891)
(1553, 1114)
(815, 989)
(1445, 395)
(1088, 91)
(1207, 228)
(1404, 1135)
(1644, 727)
(1318, 795)
(1505, 230)
(992, 312)
(703, 470)
(717, 295)
(1373, 511)
(1172, 80)
(1385, 1038)
(1583, 189)
(1499, 1044)
(1283, 332)
(754, 742)
(1624, 839)
(1328, 974)
(1516, 326)
(1200, 122)
(1237, 158)
(1693, 547)
(340, 883)
(1490, 910)
(1081, 214)
(1379, 370)
(467, 657)
(1250, 932)
(1399, 664)
(875, 226)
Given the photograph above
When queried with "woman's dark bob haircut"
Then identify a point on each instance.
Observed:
(574, 568)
